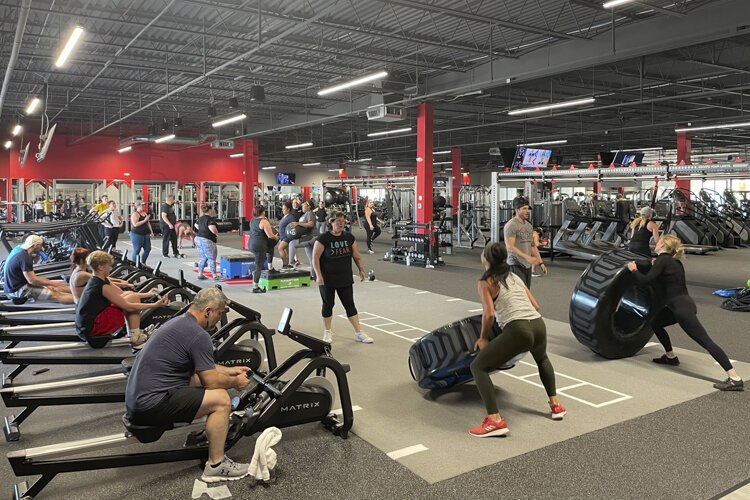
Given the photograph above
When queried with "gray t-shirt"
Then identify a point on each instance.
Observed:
(523, 232)
(178, 349)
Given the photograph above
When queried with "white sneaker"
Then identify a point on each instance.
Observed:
(370, 251)
(328, 336)
(227, 470)
(362, 337)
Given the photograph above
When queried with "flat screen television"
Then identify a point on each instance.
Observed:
(531, 158)
(625, 158)
(282, 178)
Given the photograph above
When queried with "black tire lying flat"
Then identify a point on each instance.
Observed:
(609, 314)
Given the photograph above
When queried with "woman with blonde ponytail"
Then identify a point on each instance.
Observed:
(668, 276)
(642, 229)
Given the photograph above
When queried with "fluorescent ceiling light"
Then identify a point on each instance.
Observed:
(360, 160)
(32, 105)
(125, 149)
(712, 127)
(226, 121)
(237, 155)
(387, 132)
(545, 143)
(442, 163)
(269, 168)
(164, 138)
(301, 145)
(545, 107)
(17, 130)
(353, 83)
(311, 164)
(447, 151)
(69, 46)
(8, 144)
(660, 148)
(615, 3)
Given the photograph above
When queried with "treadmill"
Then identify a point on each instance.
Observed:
(567, 241)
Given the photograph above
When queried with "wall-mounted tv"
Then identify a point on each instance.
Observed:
(625, 158)
(530, 158)
(282, 178)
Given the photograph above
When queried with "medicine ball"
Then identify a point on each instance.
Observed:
(342, 197)
(371, 275)
(330, 198)
(292, 232)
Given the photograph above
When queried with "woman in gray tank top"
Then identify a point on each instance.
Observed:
(506, 299)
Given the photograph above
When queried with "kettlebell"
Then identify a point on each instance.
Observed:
(371, 275)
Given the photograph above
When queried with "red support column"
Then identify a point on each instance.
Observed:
(342, 169)
(684, 149)
(455, 175)
(424, 162)
(250, 166)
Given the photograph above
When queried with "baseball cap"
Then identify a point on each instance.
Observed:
(32, 241)
(647, 212)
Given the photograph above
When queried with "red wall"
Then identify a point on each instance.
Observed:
(97, 158)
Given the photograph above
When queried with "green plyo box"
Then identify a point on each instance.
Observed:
(282, 282)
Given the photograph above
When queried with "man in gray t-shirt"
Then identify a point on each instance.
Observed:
(175, 379)
(519, 241)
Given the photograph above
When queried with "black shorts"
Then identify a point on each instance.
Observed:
(177, 405)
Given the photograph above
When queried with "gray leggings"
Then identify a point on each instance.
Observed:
(518, 336)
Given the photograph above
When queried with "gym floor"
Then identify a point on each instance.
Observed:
(633, 429)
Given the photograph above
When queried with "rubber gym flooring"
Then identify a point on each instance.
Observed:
(633, 428)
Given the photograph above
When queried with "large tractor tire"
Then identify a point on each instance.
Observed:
(609, 314)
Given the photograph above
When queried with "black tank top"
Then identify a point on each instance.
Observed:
(143, 230)
(639, 243)
(257, 234)
(92, 303)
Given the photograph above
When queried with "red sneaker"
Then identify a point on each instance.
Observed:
(489, 428)
(558, 411)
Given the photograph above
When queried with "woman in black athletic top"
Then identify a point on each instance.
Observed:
(668, 274)
(641, 230)
(261, 243)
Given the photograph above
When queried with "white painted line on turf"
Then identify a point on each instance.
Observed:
(453, 300)
(388, 322)
(394, 286)
(405, 452)
(341, 412)
(567, 387)
(475, 310)
(421, 293)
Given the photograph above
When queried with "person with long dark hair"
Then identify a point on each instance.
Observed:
(261, 242)
(507, 300)
(668, 275)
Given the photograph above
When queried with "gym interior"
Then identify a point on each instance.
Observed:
(443, 115)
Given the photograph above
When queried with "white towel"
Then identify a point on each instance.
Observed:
(264, 458)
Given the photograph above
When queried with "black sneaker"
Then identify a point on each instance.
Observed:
(730, 385)
(202, 277)
(165, 256)
(665, 360)
(258, 289)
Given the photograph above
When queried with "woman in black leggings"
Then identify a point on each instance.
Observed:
(261, 243)
(332, 260)
(668, 274)
(506, 299)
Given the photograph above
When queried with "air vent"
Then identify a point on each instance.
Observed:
(385, 113)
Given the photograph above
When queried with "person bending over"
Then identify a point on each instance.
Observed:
(141, 232)
(332, 260)
(169, 233)
(80, 276)
(261, 242)
(175, 379)
(668, 275)
(20, 281)
(519, 239)
(205, 240)
(184, 232)
(506, 299)
(642, 229)
(303, 239)
(372, 227)
(102, 310)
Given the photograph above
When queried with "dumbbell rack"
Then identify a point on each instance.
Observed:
(415, 245)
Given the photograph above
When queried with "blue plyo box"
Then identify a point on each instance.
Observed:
(236, 266)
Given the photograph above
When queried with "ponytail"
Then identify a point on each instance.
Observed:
(639, 221)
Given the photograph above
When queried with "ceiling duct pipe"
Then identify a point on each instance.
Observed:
(185, 141)
(23, 14)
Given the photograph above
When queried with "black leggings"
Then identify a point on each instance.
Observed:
(682, 310)
(346, 296)
(112, 234)
(262, 250)
(371, 234)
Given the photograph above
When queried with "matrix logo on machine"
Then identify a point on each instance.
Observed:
(300, 406)
(239, 362)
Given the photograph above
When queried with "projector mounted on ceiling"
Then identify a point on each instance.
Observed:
(385, 113)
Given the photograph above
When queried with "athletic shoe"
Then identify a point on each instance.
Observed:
(202, 277)
(665, 360)
(179, 256)
(258, 289)
(165, 256)
(558, 411)
(490, 428)
(328, 336)
(138, 340)
(730, 385)
(227, 470)
(370, 251)
(218, 277)
(287, 267)
(362, 337)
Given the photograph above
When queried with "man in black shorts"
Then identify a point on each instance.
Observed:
(175, 379)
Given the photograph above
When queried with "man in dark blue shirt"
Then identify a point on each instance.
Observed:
(20, 281)
(175, 379)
